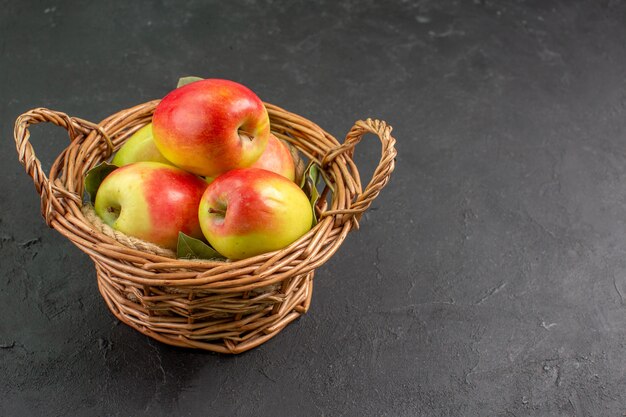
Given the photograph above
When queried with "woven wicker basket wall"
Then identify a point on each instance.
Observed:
(226, 307)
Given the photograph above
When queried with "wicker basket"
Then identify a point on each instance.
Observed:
(227, 307)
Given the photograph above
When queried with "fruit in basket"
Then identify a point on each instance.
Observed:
(151, 201)
(246, 212)
(139, 147)
(211, 126)
(276, 158)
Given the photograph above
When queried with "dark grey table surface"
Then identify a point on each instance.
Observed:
(489, 277)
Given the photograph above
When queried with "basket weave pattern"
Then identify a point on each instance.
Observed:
(227, 307)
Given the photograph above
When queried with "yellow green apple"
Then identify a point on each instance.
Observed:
(211, 126)
(151, 201)
(246, 212)
(139, 147)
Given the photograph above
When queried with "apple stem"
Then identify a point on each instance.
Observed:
(217, 211)
(114, 211)
(249, 136)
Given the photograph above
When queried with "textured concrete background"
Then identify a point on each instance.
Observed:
(488, 279)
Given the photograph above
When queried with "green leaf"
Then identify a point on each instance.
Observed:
(327, 180)
(94, 178)
(192, 248)
(309, 185)
(187, 80)
(305, 175)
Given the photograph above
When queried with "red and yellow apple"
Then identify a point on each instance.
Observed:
(139, 147)
(246, 212)
(276, 158)
(151, 201)
(211, 126)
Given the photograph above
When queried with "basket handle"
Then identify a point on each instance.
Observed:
(76, 127)
(381, 173)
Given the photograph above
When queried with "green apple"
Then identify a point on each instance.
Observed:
(276, 158)
(139, 147)
(151, 201)
(246, 212)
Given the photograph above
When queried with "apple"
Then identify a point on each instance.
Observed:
(139, 147)
(151, 201)
(246, 212)
(211, 126)
(277, 158)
